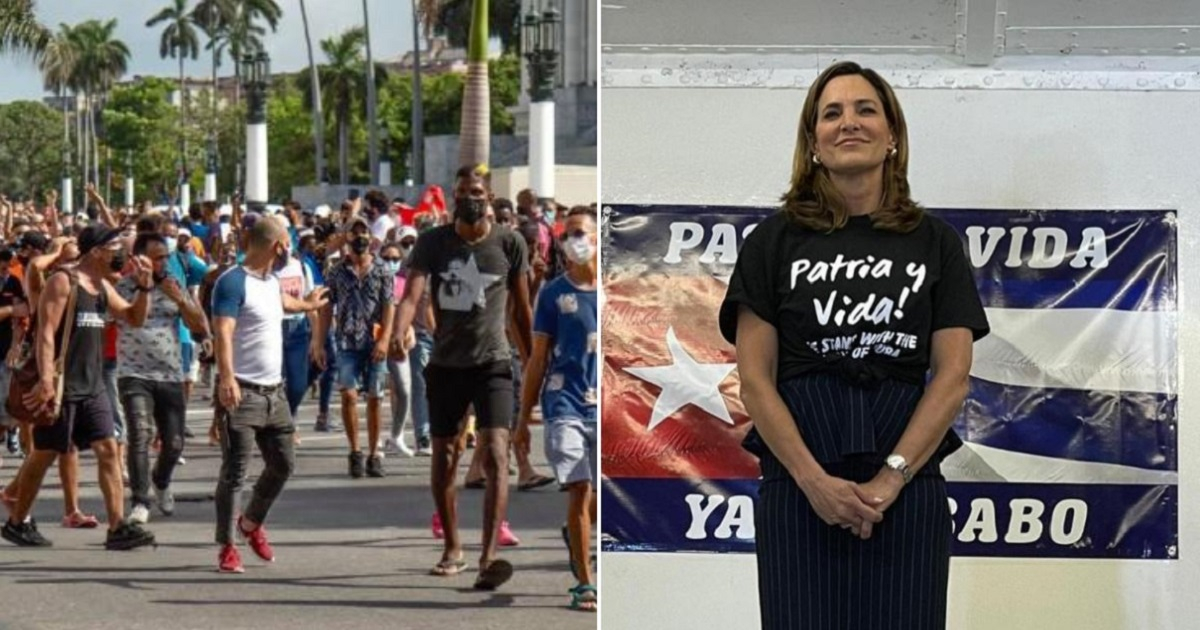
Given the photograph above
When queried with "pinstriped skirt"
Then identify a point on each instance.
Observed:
(814, 576)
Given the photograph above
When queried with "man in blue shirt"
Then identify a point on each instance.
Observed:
(562, 368)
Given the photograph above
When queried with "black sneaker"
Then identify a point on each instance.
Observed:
(375, 466)
(13, 443)
(24, 534)
(128, 536)
(356, 464)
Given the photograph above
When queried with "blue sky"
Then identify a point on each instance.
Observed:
(391, 35)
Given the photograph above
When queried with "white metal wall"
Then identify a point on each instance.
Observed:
(978, 148)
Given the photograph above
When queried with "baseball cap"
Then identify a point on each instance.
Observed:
(355, 220)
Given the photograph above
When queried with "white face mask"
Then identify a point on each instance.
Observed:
(172, 244)
(579, 250)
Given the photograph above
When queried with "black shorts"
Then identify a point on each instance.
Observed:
(81, 423)
(450, 390)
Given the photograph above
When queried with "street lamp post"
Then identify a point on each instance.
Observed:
(385, 158)
(129, 179)
(256, 74)
(210, 171)
(540, 45)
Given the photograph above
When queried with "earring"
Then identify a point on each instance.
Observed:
(893, 152)
(816, 159)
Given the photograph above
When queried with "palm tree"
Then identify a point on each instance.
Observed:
(20, 32)
(372, 125)
(213, 16)
(57, 66)
(342, 78)
(475, 131)
(101, 61)
(178, 41)
(315, 96)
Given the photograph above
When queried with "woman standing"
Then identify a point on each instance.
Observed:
(839, 306)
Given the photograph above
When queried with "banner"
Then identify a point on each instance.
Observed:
(1070, 424)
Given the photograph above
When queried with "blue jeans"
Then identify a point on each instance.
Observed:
(355, 369)
(418, 359)
(325, 388)
(296, 365)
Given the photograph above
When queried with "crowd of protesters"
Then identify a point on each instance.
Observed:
(471, 318)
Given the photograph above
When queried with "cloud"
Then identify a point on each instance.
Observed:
(391, 35)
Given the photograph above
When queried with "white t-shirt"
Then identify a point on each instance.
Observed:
(382, 225)
(296, 281)
(257, 305)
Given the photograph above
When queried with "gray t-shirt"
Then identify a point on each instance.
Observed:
(151, 352)
(469, 287)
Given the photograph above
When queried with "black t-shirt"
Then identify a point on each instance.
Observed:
(856, 292)
(469, 286)
(10, 293)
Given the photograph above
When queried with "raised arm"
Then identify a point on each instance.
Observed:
(105, 213)
(133, 313)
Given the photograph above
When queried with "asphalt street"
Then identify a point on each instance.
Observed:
(350, 553)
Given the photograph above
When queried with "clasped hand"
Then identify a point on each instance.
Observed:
(853, 506)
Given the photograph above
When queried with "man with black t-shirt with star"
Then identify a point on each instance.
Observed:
(474, 268)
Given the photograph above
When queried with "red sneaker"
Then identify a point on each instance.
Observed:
(507, 538)
(229, 560)
(257, 540)
(438, 531)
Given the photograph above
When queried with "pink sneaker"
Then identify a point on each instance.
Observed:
(438, 531)
(79, 520)
(507, 538)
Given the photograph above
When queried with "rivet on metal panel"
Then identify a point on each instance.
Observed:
(988, 80)
(1027, 80)
(666, 72)
(647, 79)
(1179, 82)
(1143, 82)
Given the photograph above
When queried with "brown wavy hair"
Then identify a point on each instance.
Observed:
(813, 201)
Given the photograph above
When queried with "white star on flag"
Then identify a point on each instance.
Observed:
(474, 280)
(685, 382)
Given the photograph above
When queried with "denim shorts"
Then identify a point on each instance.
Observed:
(355, 369)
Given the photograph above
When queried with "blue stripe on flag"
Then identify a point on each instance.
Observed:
(1125, 428)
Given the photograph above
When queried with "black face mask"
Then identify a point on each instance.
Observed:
(360, 244)
(469, 210)
(118, 261)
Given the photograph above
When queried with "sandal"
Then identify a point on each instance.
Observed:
(79, 520)
(476, 484)
(537, 481)
(584, 597)
(497, 572)
(448, 568)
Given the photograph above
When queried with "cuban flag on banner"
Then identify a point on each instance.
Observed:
(1070, 424)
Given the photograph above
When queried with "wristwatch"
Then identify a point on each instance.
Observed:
(897, 463)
